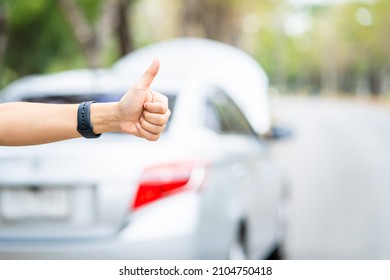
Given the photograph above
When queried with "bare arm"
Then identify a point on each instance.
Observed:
(140, 112)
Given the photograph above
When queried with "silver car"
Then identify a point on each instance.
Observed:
(205, 190)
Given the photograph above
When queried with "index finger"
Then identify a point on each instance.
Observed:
(147, 78)
(156, 107)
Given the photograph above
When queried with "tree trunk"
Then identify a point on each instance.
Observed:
(82, 30)
(219, 22)
(191, 18)
(123, 11)
(91, 37)
(329, 71)
(3, 34)
(374, 80)
(212, 19)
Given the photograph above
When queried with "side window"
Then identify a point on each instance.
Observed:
(223, 115)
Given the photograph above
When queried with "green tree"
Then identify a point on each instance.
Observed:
(38, 36)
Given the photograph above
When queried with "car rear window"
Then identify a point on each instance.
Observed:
(70, 99)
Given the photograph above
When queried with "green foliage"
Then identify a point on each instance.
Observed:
(91, 8)
(38, 38)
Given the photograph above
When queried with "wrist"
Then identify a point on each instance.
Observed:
(104, 117)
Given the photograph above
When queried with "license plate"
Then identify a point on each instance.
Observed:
(34, 203)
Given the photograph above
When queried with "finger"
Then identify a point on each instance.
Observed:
(157, 119)
(146, 134)
(156, 107)
(152, 128)
(158, 97)
(152, 95)
(147, 78)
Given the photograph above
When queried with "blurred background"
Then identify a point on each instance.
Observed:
(329, 72)
(314, 47)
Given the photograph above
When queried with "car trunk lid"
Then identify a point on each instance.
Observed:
(71, 189)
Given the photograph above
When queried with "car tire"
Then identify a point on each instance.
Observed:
(238, 249)
(284, 212)
(277, 254)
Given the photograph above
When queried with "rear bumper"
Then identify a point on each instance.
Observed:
(175, 248)
(164, 230)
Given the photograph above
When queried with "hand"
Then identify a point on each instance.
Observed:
(141, 111)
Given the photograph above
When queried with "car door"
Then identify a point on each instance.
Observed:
(257, 184)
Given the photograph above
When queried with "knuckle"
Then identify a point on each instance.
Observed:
(159, 109)
(164, 99)
(162, 120)
(146, 114)
(160, 129)
(162, 107)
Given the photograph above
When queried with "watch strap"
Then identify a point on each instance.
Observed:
(84, 124)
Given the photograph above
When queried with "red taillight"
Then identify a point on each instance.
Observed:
(159, 181)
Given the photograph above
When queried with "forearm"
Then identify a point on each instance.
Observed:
(36, 123)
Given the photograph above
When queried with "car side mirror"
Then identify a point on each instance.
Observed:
(278, 133)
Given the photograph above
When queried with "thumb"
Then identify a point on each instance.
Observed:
(147, 78)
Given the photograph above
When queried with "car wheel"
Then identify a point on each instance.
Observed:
(277, 254)
(238, 248)
(284, 211)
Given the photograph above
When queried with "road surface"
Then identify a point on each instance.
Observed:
(338, 161)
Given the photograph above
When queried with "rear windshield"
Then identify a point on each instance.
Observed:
(72, 99)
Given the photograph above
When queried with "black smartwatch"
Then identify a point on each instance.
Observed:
(84, 124)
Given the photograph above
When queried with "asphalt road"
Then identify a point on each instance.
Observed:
(338, 160)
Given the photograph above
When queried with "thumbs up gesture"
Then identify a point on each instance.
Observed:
(141, 111)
